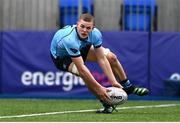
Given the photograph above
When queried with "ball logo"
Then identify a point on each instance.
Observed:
(116, 97)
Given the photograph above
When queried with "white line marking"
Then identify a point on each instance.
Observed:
(91, 110)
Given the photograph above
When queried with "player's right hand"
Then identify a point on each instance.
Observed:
(103, 94)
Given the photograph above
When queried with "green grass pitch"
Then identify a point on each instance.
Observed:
(57, 110)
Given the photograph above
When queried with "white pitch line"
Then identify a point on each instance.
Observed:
(80, 111)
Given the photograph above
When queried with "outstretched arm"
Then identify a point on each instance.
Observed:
(90, 81)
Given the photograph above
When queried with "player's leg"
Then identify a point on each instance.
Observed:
(120, 74)
(61, 63)
(65, 64)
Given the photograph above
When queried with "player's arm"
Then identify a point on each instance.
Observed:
(104, 64)
(90, 81)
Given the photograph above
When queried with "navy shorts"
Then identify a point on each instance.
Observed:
(63, 63)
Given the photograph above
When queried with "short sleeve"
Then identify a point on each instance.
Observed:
(97, 38)
(71, 47)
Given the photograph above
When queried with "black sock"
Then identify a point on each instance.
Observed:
(127, 86)
(126, 83)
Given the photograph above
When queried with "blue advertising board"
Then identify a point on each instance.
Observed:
(27, 69)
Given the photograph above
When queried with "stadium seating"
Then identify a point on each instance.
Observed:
(138, 15)
(68, 10)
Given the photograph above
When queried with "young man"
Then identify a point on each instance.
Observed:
(73, 45)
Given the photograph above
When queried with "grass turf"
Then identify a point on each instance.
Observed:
(12, 107)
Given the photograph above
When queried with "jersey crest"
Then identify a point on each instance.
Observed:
(74, 50)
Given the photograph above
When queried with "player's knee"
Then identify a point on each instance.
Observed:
(112, 58)
(74, 69)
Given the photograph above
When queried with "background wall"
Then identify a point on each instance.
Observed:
(43, 14)
(168, 15)
(1, 7)
(29, 14)
(107, 14)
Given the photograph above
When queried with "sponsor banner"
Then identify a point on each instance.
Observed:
(27, 69)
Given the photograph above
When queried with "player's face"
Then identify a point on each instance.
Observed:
(84, 28)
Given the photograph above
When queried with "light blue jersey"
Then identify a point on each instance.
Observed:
(66, 42)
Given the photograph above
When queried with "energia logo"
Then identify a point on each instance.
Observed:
(64, 79)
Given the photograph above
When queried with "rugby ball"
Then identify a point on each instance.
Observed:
(118, 96)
